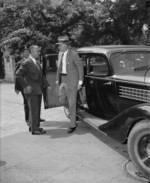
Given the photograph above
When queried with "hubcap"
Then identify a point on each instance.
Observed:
(144, 150)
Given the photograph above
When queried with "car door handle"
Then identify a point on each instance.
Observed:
(108, 83)
(91, 82)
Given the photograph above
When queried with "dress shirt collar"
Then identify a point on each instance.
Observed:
(34, 60)
(65, 53)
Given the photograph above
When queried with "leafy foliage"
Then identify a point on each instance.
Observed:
(86, 22)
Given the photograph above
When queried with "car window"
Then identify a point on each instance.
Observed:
(83, 58)
(97, 65)
(51, 62)
(130, 62)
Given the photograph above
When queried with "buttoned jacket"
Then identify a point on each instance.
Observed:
(29, 74)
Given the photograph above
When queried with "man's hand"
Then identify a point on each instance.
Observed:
(79, 87)
(28, 90)
(17, 92)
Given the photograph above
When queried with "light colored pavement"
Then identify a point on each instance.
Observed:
(86, 156)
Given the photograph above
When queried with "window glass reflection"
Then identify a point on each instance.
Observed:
(130, 62)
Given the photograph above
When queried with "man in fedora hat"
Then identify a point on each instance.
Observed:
(69, 78)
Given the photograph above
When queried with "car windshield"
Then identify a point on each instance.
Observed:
(128, 62)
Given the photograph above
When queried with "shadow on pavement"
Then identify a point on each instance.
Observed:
(112, 143)
(61, 129)
(55, 124)
(58, 129)
(83, 128)
(2, 163)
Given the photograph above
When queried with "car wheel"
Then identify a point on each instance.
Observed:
(139, 147)
(66, 110)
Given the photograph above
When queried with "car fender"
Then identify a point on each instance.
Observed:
(120, 126)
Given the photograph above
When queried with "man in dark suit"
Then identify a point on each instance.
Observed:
(33, 82)
(69, 78)
(24, 55)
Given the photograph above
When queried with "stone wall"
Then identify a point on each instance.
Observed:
(9, 64)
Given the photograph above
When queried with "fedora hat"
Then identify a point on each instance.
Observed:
(62, 39)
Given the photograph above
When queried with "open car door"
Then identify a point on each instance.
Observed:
(49, 70)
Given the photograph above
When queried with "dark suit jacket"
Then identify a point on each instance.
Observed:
(28, 74)
(17, 84)
(74, 68)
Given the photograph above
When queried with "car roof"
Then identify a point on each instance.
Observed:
(108, 49)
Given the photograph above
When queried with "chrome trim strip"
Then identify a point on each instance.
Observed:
(110, 78)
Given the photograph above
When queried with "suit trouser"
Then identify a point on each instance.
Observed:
(34, 103)
(67, 97)
(26, 107)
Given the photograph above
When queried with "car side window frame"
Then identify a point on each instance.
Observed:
(51, 62)
(98, 73)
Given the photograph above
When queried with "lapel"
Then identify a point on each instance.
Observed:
(33, 65)
(68, 56)
(39, 67)
(60, 60)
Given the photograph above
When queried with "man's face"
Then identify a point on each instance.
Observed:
(62, 47)
(25, 54)
(35, 52)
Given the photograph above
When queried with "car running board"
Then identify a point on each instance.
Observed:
(92, 120)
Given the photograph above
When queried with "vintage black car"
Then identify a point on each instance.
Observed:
(115, 97)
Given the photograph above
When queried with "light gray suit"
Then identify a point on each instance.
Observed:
(68, 84)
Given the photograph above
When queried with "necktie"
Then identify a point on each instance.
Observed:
(38, 65)
(64, 64)
(61, 64)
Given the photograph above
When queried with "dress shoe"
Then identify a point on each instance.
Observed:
(42, 120)
(29, 128)
(38, 132)
(71, 129)
(27, 123)
(40, 129)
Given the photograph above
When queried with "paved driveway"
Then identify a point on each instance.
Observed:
(86, 156)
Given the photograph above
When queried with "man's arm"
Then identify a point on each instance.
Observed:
(17, 84)
(58, 67)
(17, 65)
(20, 72)
(79, 66)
